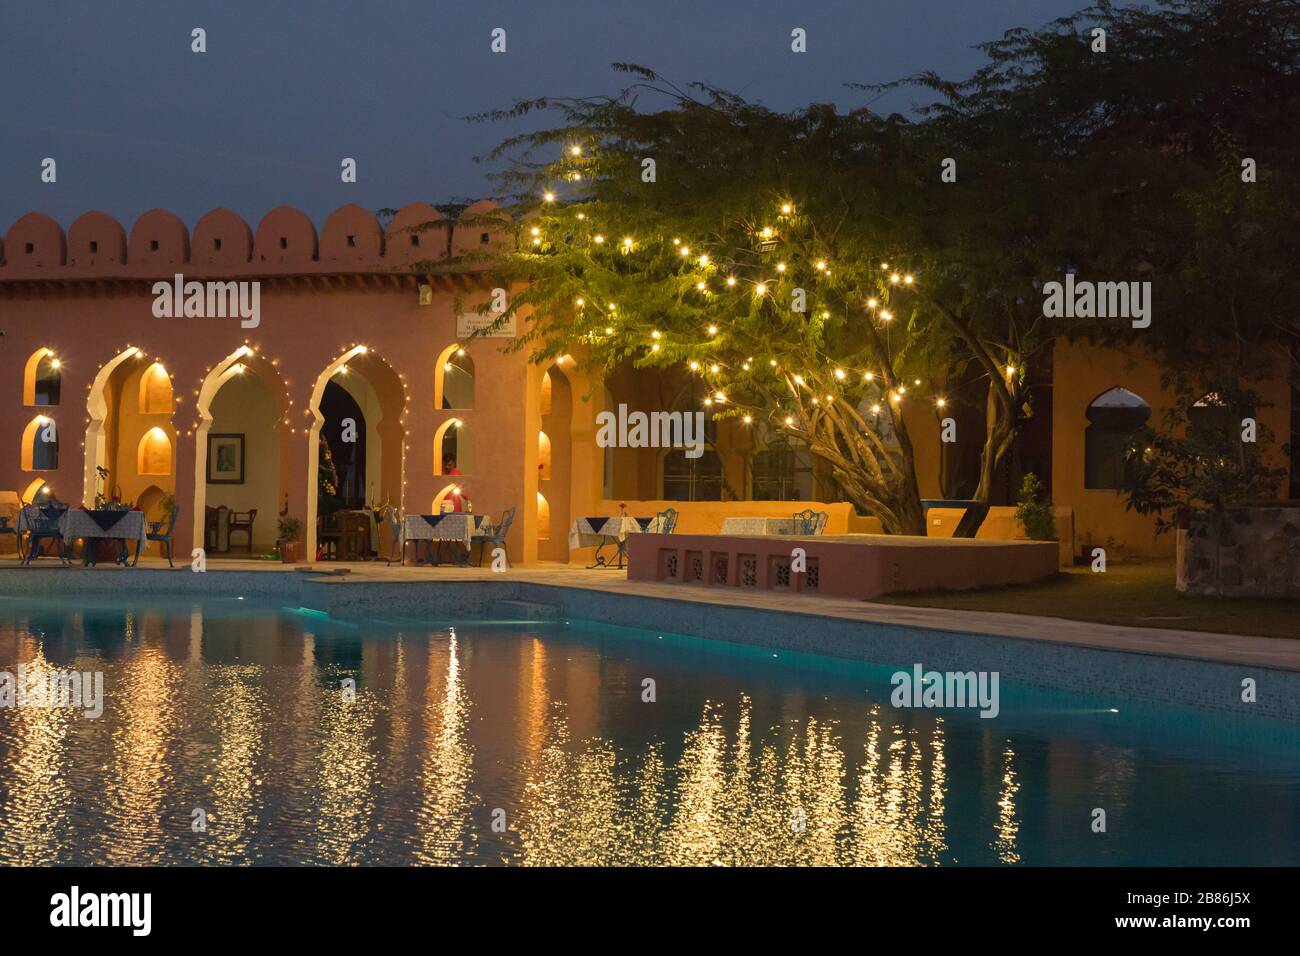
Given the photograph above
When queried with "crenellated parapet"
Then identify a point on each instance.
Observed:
(222, 244)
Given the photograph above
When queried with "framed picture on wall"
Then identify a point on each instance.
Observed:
(226, 459)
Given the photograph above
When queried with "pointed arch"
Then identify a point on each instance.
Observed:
(386, 432)
(42, 378)
(453, 378)
(154, 453)
(97, 411)
(245, 360)
(40, 451)
(156, 396)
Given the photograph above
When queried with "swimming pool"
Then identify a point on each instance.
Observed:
(534, 744)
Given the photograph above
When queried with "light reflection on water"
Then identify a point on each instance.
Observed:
(239, 711)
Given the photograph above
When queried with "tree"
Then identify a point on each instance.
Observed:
(764, 255)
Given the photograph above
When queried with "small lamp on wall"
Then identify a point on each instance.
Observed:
(426, 294)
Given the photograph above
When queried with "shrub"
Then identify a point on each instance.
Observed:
(1034, 513)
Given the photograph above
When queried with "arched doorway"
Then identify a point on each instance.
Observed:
(356, 446)
(239, 461)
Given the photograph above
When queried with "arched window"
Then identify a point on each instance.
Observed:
(453, 448)
(693, 478)
(1213, 421)
(155, 391)
(453, 379)
(1114, 417)
(782, 471)
(40, 445)
(42, 379)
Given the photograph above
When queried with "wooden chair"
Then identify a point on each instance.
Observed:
(241, 521)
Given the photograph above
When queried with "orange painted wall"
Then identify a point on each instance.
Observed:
(1081, 371)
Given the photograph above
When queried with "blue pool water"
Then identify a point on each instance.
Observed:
(744, 757)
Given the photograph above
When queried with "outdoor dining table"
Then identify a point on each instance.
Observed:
(757, 526)
(459, 526)
(120, 526)
(599, 531)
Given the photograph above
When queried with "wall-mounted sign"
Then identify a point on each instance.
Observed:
(470, 323)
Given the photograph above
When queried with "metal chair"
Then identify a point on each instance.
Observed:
(155, 533)
(666, 520)
(42, 524)
(240, 521)
(810, 522)
(495, 536)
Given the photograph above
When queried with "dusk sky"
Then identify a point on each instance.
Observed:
(135, 120)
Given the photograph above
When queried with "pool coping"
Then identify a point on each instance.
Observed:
(1239, 649)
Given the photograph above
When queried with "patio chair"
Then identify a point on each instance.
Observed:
(398, 551)
(666, 520)
(6, 527)
(495, 536)
(42, 524)
(155, 533)
(810, 522)
(241, 521)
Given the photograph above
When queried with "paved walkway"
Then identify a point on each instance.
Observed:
(1228, 648)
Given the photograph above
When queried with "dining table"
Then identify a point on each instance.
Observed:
(601, 531)
(111, 525)
(450, 526)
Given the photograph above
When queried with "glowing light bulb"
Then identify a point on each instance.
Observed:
(940, 402)
(839, 373)
(787, 208)
(599, 239)
(579, 302)
(760, 289)
(693, 365)
(715, 368)
(789, 420)
(654, 334)
(731, 280)
(872, 303)
(713, 330)
(869, 376)
(748, 418)
(780, 267)
(575, 150)
(548, 197)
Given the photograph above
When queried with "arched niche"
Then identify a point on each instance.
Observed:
(154, 453)
(40, 451)
(155, 391)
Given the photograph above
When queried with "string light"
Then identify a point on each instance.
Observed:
(713, 330)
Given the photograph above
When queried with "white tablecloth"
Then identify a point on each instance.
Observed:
(757, 526)
(454, 526)
(79, 524)
(594, 531)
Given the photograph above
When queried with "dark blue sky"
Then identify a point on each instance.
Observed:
(287, 89)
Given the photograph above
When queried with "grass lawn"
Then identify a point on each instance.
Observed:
(1136, 594)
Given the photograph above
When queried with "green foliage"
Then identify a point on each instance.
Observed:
(290, 528)
(1202, 464)
(1033, 511)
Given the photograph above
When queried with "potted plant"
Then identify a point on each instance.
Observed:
(290, 544)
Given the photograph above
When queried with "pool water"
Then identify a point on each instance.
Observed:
(533, 744)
